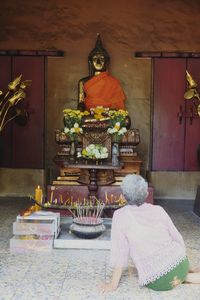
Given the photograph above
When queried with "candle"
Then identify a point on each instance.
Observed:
(51, 199)
(38, 197)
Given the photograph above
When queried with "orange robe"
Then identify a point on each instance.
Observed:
(104, 90)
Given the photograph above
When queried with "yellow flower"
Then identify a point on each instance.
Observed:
(86, 113)
(84, 152)
(117, 126)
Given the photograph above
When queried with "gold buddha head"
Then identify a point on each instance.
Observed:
(98, 58)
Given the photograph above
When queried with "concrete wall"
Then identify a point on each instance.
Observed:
(125, 27)
(20, 182)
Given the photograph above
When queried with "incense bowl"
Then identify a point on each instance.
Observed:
(87, 227)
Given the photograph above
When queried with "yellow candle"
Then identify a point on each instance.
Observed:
(38, 196)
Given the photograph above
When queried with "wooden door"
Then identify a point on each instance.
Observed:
(28, 141)
(6, 134)
(168, 133)
(23, 146)
(175, 140)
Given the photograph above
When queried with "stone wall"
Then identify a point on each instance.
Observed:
(125, 27)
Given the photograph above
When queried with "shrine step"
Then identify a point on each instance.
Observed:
(67, 240)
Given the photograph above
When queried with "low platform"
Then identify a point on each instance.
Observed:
(67, 240)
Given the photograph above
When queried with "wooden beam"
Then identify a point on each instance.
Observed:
(32, 52)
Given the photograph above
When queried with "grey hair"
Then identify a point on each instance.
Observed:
(134, 189)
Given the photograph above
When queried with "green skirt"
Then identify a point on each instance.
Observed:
(172, 278)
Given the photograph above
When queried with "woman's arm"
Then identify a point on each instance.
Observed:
(119, 253)
(175, 234)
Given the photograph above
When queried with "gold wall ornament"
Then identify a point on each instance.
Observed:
(192, 92)
(10, 100)
(190, 80)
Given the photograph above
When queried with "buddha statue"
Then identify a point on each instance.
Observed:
(99, 88)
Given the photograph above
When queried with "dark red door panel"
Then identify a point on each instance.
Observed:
(28, 141)
(6, 134)
(168, 134)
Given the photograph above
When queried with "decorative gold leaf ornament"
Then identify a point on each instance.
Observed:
(9, 101)
(192, 93)
(192, 83)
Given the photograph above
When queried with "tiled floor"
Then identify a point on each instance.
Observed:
(75, 274)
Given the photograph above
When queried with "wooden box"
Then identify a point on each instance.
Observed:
(34, 227)
(46, 216)
(26, 243)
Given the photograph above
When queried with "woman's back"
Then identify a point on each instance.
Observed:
(147, 233)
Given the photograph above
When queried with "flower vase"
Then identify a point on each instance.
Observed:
(115, 154)
(72, 153)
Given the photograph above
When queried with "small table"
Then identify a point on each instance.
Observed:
(93, 169)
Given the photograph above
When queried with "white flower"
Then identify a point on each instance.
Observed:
(97, 155)
(79, 154)
(91, 146)
(76, 125)
(104, 155)
(122, 131)
(72, 130)
(112, 130)
(104, 150)
(66, 130)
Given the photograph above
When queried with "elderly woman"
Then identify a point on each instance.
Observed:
(146, 233)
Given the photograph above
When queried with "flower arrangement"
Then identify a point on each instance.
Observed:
(73, 120)
(94, 151)
(117, 126)
(9, 101)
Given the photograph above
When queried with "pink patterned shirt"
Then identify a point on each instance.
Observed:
(148, 235)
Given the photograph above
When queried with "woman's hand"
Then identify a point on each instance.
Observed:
(113, 284)
(107, 288)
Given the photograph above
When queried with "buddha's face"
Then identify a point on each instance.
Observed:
(98, 61)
